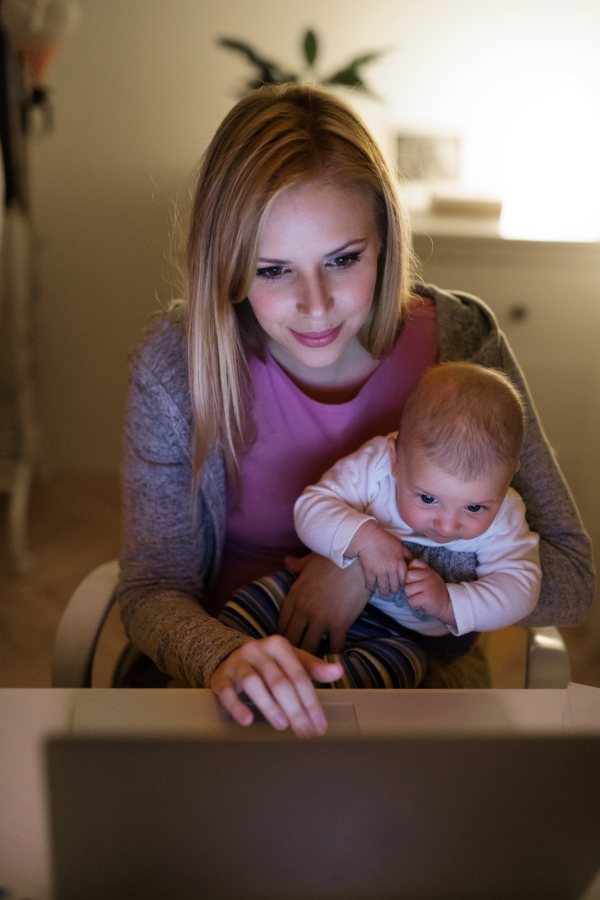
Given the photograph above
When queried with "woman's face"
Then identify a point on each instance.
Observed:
(316, 275)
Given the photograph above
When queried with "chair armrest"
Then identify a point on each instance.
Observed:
(80, 627)
(547, 659)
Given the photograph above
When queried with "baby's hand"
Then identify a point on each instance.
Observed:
(425, 589)
(382, 557)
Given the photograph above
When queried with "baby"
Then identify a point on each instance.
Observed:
(443, 479)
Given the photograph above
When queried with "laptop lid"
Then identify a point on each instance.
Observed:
(259, 818)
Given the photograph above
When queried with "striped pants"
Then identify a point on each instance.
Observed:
(376, 656)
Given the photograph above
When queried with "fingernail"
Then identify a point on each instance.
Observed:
(320, 723)
(280, 722)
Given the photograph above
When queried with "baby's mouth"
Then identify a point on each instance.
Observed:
(434, 535)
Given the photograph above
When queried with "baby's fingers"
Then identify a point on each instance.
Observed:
(411, 588)
(371, 581)
(382, 584)
(417, 571)
(396, 579)
(401, 571)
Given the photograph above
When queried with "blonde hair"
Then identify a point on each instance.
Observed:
(276, 137)
(466, 418)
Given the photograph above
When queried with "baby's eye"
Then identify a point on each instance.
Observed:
(270, 272)
(425, 498)
(475, 507)
(343, 262)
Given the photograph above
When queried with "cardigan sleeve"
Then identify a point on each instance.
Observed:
(169, 548)
(468, 330)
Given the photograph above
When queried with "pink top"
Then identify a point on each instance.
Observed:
(299, 438)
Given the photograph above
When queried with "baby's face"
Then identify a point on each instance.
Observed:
(441, 506)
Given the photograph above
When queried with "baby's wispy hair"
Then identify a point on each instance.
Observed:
(468, 419)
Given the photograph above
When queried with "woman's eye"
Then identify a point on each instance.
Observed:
(425, 498)
(270, 272)
(475, 507)
(342, 262)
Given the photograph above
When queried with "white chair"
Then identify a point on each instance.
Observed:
(82, 621)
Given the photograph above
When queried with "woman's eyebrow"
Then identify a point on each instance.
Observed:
(281, 262)
(345, 246)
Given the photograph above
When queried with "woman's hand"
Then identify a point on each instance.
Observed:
(276, 677)
(324, 599)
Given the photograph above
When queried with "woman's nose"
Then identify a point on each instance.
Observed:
(315, 299)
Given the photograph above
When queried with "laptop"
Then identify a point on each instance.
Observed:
(246, 814)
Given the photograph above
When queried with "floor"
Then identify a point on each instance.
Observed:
(75, 526)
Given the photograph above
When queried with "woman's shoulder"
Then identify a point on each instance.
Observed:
(159, 381)
(467, 327)
(161, 353)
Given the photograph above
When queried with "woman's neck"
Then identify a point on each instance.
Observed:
(338, 383)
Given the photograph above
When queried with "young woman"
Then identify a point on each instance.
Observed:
(301, 336)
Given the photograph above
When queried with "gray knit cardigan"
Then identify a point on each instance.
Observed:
(170, 555)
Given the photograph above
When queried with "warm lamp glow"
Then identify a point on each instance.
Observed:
(551, 165)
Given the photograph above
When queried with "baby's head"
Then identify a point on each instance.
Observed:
(457, 450)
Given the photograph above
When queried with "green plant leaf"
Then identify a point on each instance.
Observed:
(366, 58)
(349, 77)
(269, 72)
(311, 47)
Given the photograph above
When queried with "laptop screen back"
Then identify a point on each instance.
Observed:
(355, 819)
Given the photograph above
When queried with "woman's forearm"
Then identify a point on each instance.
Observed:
(172, 628)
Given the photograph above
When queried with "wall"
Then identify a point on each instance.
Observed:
(138, 93)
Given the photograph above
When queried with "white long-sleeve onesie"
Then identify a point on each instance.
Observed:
(361, 487)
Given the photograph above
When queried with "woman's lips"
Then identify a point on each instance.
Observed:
(317, 338)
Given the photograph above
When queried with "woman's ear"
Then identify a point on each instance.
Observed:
(518, 466)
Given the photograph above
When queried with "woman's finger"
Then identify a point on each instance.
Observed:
(312, 638)
(319, 670)
(222, 686)
(297, 564)
(260, 686)
(289, 685)
(337, 638)
(292, 623)
(276, 692)
(295, 666)
(286, 614)
(247, 670)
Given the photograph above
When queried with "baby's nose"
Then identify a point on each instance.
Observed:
(447, 525)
